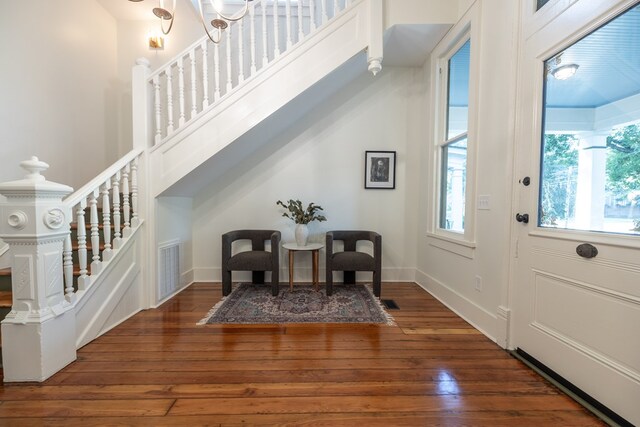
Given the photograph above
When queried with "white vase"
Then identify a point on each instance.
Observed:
(302, 234)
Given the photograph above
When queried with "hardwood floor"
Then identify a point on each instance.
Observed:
(159, 368)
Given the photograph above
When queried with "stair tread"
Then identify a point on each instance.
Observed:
(5, 271)
(6, 299)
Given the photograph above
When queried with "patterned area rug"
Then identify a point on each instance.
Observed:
(250, 303)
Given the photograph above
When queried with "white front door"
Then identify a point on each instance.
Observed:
(578, 311)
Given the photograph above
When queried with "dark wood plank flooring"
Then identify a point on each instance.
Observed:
(159, 368)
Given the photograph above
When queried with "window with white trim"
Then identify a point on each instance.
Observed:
(453, 135)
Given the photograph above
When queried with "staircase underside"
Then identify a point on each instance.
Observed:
(268, 129)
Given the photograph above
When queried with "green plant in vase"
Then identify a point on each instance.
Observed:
(301, 217)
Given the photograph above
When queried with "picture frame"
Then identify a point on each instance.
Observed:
(380, 170)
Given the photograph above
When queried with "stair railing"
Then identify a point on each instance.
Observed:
(114, 193)
(192, 82)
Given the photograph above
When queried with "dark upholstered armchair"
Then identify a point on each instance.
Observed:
(257, 260)
(351, 261)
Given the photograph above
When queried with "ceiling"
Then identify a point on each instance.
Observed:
(124, 10)
(609, 60)
(410, 45)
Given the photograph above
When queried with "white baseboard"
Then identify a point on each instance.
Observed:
(301, 274)
(478, 317)
(503, 329)
(186, 278)
(206, 274)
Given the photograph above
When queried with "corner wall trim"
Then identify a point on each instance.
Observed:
(478, 317)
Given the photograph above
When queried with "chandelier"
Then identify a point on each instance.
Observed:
(219, 24)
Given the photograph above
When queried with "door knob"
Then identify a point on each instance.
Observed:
(587, 250)
(522, 218)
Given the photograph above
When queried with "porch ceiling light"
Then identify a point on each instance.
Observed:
(220, 23)
(561, 72)
(565, 72)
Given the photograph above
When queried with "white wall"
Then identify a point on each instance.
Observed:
(176, 211)
(321, 159)
(402, 12)
(58, 88)
(449, 276)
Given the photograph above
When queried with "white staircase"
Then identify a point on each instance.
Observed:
(211, 98)
(197, 109)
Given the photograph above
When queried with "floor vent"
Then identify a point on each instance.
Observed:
(168, 269)
(390, 304)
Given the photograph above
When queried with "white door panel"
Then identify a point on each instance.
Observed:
(578, 316)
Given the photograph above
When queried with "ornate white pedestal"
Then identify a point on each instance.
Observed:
(39, 334)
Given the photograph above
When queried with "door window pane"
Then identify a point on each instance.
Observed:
(590, 168)
(454, 180)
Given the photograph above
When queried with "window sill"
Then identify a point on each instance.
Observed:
(460, 247)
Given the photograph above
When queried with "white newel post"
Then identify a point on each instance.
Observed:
(39, 334)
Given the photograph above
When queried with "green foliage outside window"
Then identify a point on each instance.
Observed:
(560, 174)
(623, 163)
(559, 179)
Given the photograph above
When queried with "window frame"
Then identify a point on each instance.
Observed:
(462, 243)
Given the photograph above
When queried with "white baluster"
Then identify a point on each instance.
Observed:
(181, 120)
(205, 75)
(347, 3)
(228, 47)
(95, 235)
(300, 30)
(312, 14)
(276, 29)
(156, 87)
(106, 221)
(216, 71)
(81, 230)
(67, 268)
(194, 106)
(135, 221)
(239, 24)
(265, 56)
(126, 209)
(115, 185)
(169, 101)
(336, 8)
(325, 18)
(252, 17)
(287, 12)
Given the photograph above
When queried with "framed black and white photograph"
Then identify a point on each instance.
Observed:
(380, 170)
